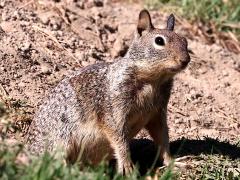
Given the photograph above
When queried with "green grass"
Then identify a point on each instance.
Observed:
(48, 167)
(45, 168)
(219, 18)
(216, 167)
(224, 13)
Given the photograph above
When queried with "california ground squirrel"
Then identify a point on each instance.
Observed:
(103, 106)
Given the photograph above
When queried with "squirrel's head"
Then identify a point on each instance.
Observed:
(157, 52)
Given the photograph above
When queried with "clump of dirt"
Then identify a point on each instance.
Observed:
(42, 41)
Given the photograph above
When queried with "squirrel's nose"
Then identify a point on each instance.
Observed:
(185, 60)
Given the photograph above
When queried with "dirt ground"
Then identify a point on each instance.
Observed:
(43, 41)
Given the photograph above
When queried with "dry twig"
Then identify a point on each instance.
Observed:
(49, 34)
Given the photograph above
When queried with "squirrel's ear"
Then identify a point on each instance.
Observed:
(170, 22)
(144, 22)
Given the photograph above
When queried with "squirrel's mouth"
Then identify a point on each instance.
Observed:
(175, 69)
(179, 65)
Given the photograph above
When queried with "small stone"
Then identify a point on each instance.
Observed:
(73, 42)
(195, 95)
(203, 70)
(49, 44)
(80, 4)
(178, 120)
(16, 15)
(5, 16)
(209, 109)
(209, 96)
(56, 25)
(73, 39)
(44, 19)
(24, 23)
(2, 68)
(57, 67)
(227, 84)
(225, 73)
(98, 3)
(237, 66)
(25, 47)
(45, 68)
(2, 3)
(192, 94)
(46, 16)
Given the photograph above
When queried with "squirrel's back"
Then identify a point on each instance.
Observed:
(69, 109)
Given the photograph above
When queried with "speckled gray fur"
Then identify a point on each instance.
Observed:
(101, 107)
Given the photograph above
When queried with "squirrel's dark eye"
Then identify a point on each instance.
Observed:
(160, 41)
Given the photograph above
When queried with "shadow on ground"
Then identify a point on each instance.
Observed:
(144, 151)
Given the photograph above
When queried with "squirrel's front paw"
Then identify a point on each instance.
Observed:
(126, 168)
(177, 162)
